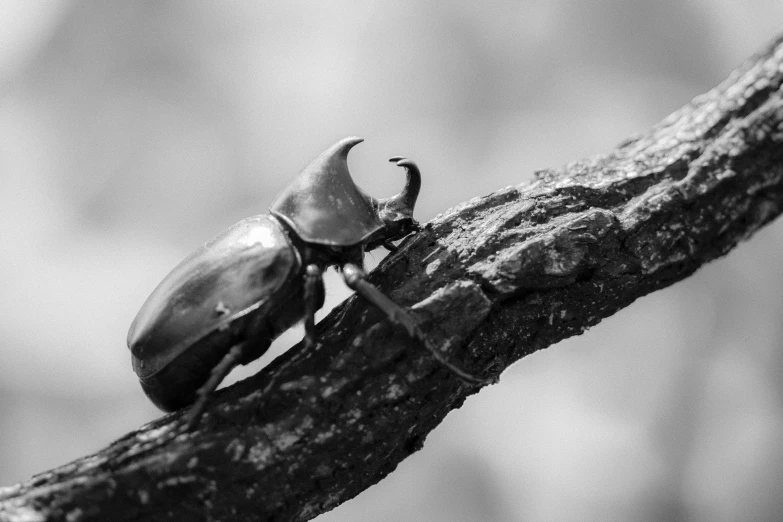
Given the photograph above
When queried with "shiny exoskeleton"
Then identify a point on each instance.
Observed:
(224, 304)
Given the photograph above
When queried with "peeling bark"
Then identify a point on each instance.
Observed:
(492, 280)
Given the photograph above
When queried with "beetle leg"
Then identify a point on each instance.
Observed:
(355, 278)
(219, 372)
(312, 280)
(391, 247)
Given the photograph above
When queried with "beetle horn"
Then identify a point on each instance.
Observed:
(341, 148)
(324, 206)
(401, 206)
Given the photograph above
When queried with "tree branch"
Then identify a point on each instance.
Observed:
(494, 279)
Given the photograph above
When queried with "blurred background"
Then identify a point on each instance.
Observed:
(131, 132)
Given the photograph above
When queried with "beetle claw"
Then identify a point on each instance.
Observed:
(391, 247)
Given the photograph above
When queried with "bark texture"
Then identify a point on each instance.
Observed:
(493, 280)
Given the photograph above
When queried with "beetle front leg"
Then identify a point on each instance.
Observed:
(356, 279)
(219, 372)
(313, 278)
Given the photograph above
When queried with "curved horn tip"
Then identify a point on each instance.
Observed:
(353, 140)
(395, 159)
(346, 144)
(405, 162)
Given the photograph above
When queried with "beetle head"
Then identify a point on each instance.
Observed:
(396, 212)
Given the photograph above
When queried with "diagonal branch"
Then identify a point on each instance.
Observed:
(494, 279)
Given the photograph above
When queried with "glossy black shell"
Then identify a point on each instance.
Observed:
(244, 286)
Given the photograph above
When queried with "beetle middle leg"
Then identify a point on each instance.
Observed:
(313, 280)
(356, 279)
(216, 376)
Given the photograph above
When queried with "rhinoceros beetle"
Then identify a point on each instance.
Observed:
(225, 303)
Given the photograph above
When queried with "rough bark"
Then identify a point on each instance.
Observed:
(493, 280)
